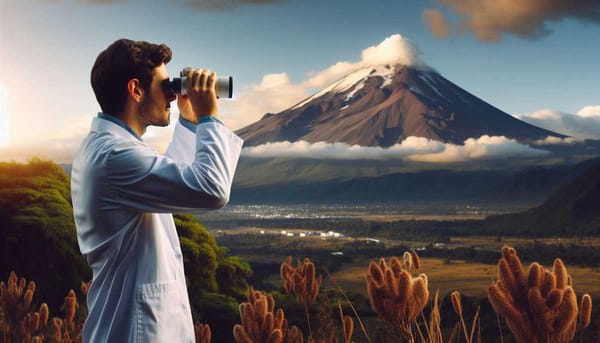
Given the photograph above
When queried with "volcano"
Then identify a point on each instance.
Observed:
(383, 105)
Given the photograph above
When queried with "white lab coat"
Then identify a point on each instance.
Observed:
(123, 194)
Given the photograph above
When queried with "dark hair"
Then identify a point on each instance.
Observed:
(122, 61)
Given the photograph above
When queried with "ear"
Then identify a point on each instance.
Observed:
(135, 90)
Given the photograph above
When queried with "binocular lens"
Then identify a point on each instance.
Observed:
(223, 86)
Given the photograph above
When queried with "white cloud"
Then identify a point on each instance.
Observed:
(276, 92)
(303, 149)
(484, 147)
(273, 94)
(412, 148)
(589, 111)
(330, 75)
(552, 140)
(61, 146)
(584, 124)
(59, 151)
(395, 49)
(544, 115)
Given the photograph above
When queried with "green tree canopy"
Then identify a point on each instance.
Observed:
(37, 233)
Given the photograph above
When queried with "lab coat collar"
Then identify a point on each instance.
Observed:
(107, 122)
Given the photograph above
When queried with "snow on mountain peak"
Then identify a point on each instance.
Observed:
(355, 81)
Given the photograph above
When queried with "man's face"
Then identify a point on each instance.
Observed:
(155, 106)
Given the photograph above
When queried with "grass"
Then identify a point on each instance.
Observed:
(469, 278)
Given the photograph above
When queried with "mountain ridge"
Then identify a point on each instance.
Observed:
(573, 209)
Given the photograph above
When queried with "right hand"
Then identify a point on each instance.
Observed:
(201, 92)
(185, 108)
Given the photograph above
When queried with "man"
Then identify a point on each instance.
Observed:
(124, 192)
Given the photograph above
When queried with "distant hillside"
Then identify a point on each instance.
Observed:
(572, 210)
(351, 184)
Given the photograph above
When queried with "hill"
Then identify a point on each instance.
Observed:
(38, 237)
(573, 210)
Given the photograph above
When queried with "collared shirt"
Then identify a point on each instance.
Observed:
(123, 195)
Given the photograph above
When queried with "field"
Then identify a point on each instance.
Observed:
(446, 274)
(455, 261)
(467, 277)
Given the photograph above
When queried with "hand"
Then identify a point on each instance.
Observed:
(185, 108)
(201, 92)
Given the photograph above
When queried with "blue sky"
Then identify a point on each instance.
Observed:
(48, 48)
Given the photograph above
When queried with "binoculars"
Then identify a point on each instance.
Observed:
(223, 84)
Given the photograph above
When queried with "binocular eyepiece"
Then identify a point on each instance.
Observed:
(223, 84)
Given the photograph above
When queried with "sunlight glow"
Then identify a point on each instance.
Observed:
(3, 117)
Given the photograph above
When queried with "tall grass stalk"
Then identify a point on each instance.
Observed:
(362, 326)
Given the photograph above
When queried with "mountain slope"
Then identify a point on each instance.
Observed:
(360, 184)
(573, 210)
(383, 105)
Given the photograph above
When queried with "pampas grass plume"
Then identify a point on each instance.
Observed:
(585, 311)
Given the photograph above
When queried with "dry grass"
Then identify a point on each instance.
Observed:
(261, 323)
(538, 304)
(470, 278)
(19, 322)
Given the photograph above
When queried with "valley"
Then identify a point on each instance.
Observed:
(342, 240)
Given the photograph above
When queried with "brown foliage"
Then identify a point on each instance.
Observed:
(19, 322)
(458, 308)
(347, 325)
(22, 324)
(302, 280)
(395, 295)
(260, 324)
(538, 306)
(585, 311)
(434, 330)
(203, 333)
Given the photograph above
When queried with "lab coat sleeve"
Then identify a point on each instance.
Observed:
(143, 180)
(182, 147)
